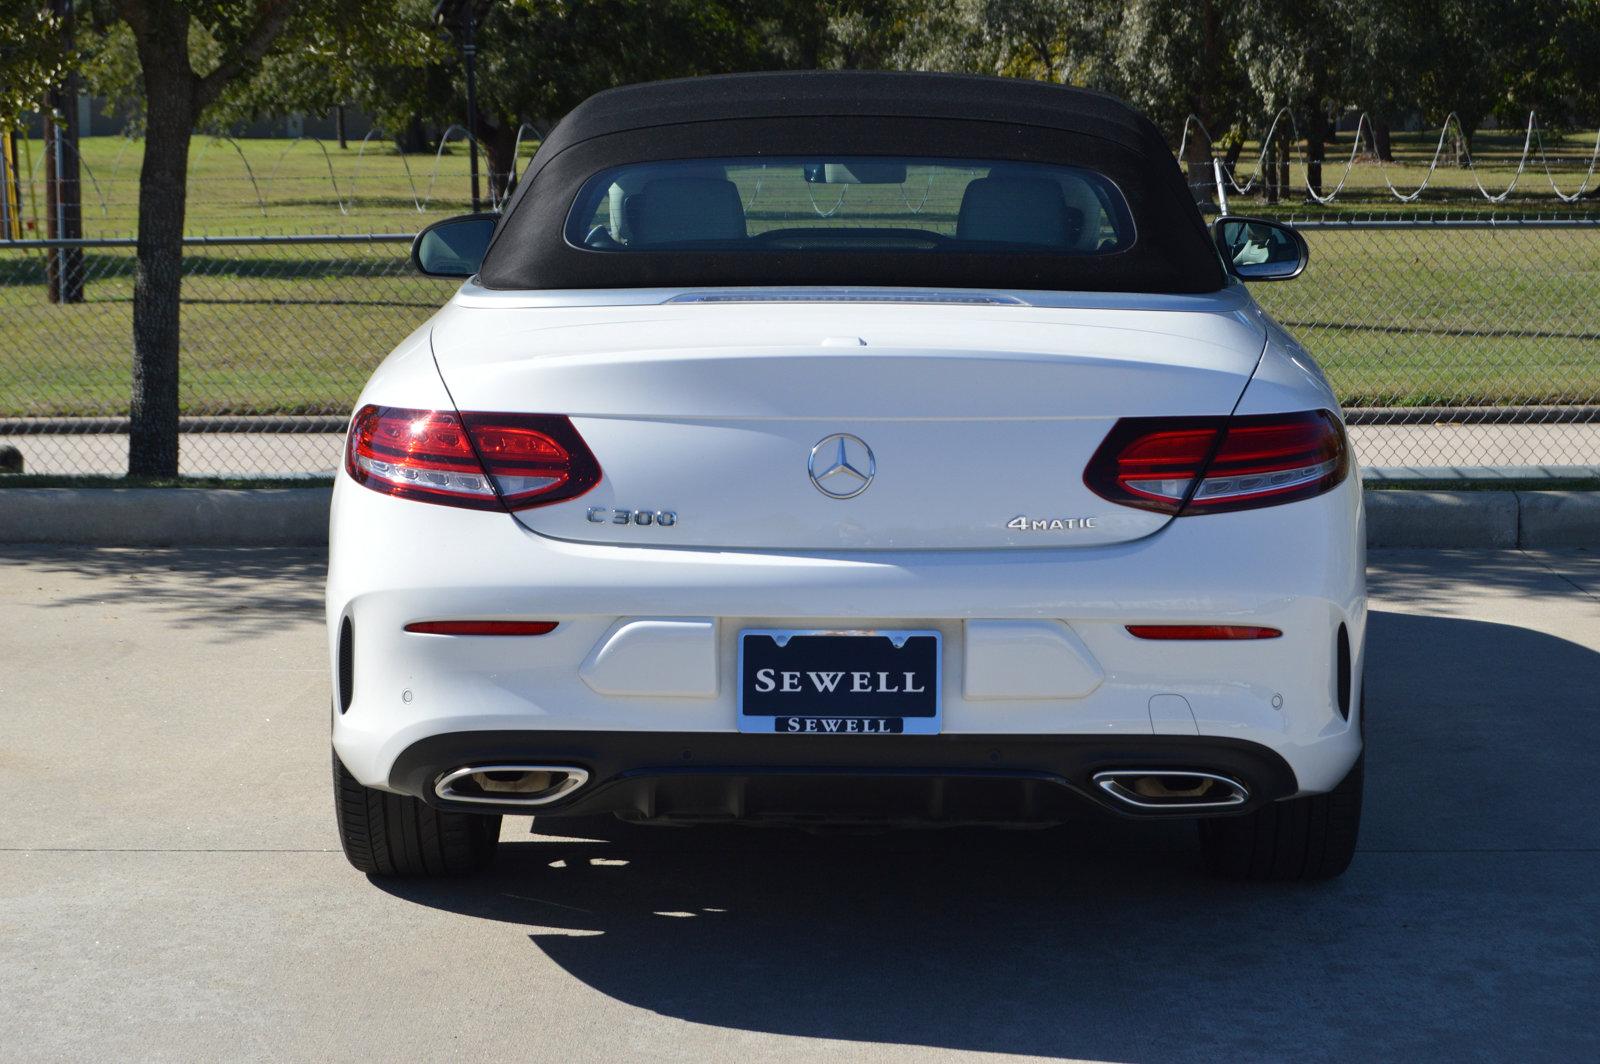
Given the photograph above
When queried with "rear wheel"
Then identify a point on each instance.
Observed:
(1299, 839)
(387, 834)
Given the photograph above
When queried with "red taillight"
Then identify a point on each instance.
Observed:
(1217, 464)
(481, 461)
(481, 627)
(1202, 631)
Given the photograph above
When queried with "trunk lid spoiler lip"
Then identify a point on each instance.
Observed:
(1229, 299)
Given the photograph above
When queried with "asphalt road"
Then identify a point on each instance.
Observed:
(171, 889)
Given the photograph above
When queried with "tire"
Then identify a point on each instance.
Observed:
(387, 834)
(1307, 838)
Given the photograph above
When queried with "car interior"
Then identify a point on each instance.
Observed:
(798, 205)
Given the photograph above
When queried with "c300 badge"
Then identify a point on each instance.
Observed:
(1023, 523)
(604, 515)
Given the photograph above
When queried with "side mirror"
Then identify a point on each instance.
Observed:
(453, 247)
(1258, 250)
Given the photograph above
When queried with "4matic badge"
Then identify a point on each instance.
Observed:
(1052, 524)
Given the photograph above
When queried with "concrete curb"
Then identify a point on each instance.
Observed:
(1441, 518)
(298, 517)
(1483, 518)
(166, 517)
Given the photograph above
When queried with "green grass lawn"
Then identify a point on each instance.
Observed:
(1409, 317)
(269, 186)
(265, 330)
(1414, 317)
(284, 186)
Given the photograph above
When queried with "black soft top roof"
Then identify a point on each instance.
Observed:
(825, 94)
(854, 113)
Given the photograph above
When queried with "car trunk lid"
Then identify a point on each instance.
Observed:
(840, 426)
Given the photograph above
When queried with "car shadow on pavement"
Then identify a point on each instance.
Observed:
(1465, 928)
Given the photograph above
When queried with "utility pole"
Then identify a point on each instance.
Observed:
(63, 185)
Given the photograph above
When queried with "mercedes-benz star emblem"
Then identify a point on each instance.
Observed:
(842, 466)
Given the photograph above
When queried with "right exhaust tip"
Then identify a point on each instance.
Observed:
(1150, 790)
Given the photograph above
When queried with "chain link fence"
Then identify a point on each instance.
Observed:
(1452, 343)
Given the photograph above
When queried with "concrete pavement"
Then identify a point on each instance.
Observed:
(170, 886)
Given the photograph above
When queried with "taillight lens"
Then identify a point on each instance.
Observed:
(480, 461)
(1202, 631)
(481, 627)
(1216, 464)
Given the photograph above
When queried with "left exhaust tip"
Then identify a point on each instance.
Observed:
(510, 785)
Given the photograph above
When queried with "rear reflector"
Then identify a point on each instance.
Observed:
(1216, 464)
(481, 627)
(479, 461)
(1202, 631)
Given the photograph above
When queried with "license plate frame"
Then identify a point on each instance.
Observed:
(924, 648)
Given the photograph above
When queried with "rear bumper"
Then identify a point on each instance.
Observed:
(692, 777)
(1298, 568)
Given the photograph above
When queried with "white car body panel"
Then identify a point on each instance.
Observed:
(698, 409)
(710, 410)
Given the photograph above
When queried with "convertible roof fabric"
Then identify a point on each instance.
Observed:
(844, 113)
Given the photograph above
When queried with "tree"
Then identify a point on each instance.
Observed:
(1177, 60)
(1296, 57)
(1380, 81)
(536, 59)
(826, 34)
(175, 95)
(31, 59)
(1457, 64)
(1577, 38)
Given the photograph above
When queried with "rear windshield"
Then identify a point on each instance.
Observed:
(878, 203)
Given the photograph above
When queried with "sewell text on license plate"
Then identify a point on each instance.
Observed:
(805, 682)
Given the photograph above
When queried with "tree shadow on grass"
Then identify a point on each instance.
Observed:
(1464, 929)
(221, 594)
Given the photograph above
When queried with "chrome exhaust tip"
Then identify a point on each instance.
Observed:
(511, 785)
(1160, 788)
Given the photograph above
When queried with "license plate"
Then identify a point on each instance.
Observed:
(839, 683)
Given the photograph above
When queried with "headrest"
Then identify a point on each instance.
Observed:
(1018, 210)
(671, 210)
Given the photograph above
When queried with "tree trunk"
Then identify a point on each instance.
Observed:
(1197, 162)
(1202, 176)
(1317, 130)
(1382, 140)
(1283, 163)
(174, 96)
(413, 139)
(499, 143)
(157, 283)
(1462, 143)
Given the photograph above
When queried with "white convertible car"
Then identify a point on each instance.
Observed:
(849, 448)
